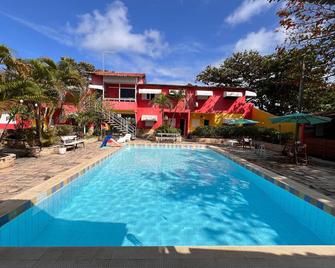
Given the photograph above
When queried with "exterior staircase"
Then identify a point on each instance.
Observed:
(120, 124)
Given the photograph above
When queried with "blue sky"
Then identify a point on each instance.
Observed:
(171, 41)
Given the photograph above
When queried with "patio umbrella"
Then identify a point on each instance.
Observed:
(300, 118)
(241, 121)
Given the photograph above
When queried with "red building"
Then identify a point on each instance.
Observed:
(129, 95)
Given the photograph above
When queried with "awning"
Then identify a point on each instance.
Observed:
(146, 117)
(206, 93)
(232, 94)
(250, 93)
(149, 91)
(174, 91)
(100, 87)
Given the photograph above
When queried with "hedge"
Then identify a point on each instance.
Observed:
(255, 132)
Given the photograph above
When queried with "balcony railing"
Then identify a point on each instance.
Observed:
(121, 99)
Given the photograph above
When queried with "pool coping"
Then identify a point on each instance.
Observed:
(16, 205)
(301, 191)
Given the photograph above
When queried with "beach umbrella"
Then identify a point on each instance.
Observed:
(241, 121)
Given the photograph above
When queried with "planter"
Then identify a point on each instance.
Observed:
(7, 160)
(62, 150)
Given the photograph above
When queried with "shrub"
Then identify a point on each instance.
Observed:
(64, 130)
(49, 137)
(167, 129)
(254, 132)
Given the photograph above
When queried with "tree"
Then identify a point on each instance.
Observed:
(177, 97)
(242, 69)
(311, 24)
(275, 78)
(162, 101)
(90, 109)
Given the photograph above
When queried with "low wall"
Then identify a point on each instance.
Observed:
(322, 148)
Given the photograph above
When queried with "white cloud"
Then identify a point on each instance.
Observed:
(247, 10)
(112, 31)
(264, 41)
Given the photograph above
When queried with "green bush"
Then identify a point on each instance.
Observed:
(254, 132)
(167, 129)
(49, 137)
(64, 130)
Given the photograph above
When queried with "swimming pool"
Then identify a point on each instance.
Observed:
(169, 196)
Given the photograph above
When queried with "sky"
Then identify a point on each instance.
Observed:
(171, 41)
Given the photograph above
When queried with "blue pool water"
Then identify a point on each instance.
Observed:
(156, 196)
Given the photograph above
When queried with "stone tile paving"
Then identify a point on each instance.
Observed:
(223, 257)
(313, 175)
(29, 171)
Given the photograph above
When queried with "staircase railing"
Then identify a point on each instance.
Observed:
(123, 125)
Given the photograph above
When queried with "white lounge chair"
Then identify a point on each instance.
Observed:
(72, 141)
(125, 138)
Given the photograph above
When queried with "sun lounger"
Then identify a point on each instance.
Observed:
(125, 138)
(167, 137)
(232, 142)
(71, 141)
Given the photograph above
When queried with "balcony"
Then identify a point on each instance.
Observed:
(120, 93)
(121, 99)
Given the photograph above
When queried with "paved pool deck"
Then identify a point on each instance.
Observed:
(320, 178)
(186, 257)
(29, 172)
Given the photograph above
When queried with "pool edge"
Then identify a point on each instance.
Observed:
(301, 191)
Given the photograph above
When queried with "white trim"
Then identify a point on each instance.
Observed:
(250, 93)
(149, 91)
(206, 93)
(147, 117)
(100, 87)
(175, 91)
(4, 117)
(232, 94)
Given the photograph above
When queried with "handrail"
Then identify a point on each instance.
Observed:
(123, 124)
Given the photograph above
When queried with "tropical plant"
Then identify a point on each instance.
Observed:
(90, 110)
(177, 97)
(167, 129)
(162, 101)
(41, 85)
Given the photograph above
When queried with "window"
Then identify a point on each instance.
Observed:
(127, 93)
(195, 123)
(149, 123)
(206, 122)
(148, 96)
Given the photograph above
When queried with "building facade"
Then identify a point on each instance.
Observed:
(129, 95)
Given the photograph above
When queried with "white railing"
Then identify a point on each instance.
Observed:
(121, 124)
(121, 99)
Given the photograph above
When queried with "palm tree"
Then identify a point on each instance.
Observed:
(176, 98)
(14, 84)
(162, 101)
